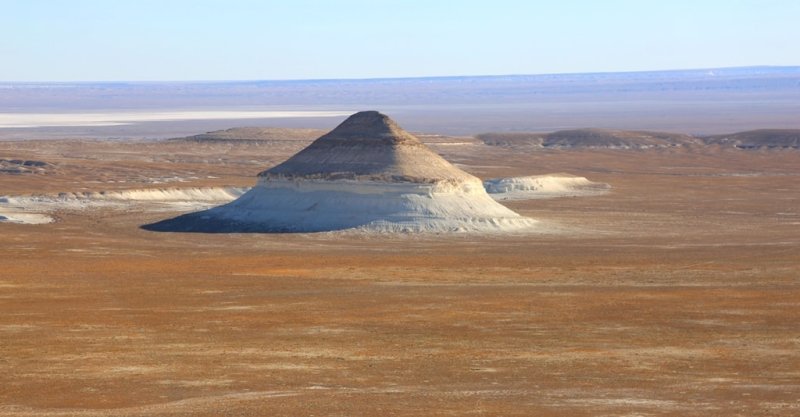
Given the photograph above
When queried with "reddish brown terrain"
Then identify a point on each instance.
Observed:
(676, 294)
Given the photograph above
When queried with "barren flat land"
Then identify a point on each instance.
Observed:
(677, 293)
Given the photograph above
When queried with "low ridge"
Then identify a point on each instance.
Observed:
(254, 134)
(589, 138)
(759, 139)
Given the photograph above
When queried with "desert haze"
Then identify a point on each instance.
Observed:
(704, 102)
(657, 272)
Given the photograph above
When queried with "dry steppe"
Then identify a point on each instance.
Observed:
(676, 294)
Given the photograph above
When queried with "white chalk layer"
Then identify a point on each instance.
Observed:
(543, 186)
(323, 205)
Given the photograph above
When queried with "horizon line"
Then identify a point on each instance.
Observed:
(424, 77)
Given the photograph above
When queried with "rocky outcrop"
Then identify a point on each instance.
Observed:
(366, 174)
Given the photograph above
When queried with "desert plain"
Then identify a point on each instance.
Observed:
(676, 293)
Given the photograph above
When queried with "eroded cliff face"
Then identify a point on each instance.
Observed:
(368, 146)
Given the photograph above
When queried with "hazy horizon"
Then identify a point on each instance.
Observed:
(696, 101)
(420, 77)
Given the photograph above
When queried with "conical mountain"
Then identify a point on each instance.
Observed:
(368, 146)
(367, 174)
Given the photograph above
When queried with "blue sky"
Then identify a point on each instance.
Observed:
(100, 40)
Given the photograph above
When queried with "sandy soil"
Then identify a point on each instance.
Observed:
(676, 294)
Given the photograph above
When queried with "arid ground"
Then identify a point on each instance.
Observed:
(677, 293)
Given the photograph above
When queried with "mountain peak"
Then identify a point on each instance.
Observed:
(366, 173)
(370, 126)
(368, 146)
(368, 119)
